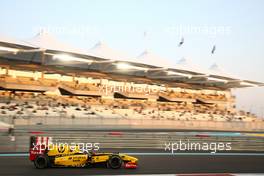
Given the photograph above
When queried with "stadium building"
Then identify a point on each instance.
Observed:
(46, 77)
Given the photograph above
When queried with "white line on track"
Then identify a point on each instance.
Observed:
(199, 174)
(199, 154)
(159, 154)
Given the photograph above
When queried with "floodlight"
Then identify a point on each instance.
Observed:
(126, 66)
(2, 48)
(243, 83)
(217, 79)
(66, 57)
(123, 66)
(179, 74)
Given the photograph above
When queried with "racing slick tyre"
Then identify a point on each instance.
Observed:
(41, 162)
(115, 162)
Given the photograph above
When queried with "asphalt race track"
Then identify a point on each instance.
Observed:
(148, 164)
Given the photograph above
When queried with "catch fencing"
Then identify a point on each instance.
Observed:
(132, 123)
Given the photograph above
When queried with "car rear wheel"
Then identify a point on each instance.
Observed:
(41, 161)
(115, 162)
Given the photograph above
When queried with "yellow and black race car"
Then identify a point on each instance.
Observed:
(45, 156)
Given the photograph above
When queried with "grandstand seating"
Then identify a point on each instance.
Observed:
(27, 96)
(25, 104)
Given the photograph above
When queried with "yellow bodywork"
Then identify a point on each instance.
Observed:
(78, 160)
(56, 150)
(72, 156)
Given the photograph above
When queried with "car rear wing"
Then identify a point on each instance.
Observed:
(38, 145)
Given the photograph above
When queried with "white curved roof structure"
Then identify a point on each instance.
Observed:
(47, 41)
(187, 65)
(102, 50)
(149, 58)
(216, 70)
(102, 58)
(218, 74)
(12, 41)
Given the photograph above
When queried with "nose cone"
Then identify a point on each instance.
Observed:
(132, 162)
(132, 159)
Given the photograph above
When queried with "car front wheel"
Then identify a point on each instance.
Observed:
(115, 162)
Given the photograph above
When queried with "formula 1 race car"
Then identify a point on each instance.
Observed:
(44, 155)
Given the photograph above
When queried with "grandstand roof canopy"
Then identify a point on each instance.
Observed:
(46, 41)
(148, 57)
(102, 50)
(6, 41)
(47, 50)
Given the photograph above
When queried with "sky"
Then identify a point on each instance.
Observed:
(132, 26)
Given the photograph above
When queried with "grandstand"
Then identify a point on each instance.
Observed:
(45, 77)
